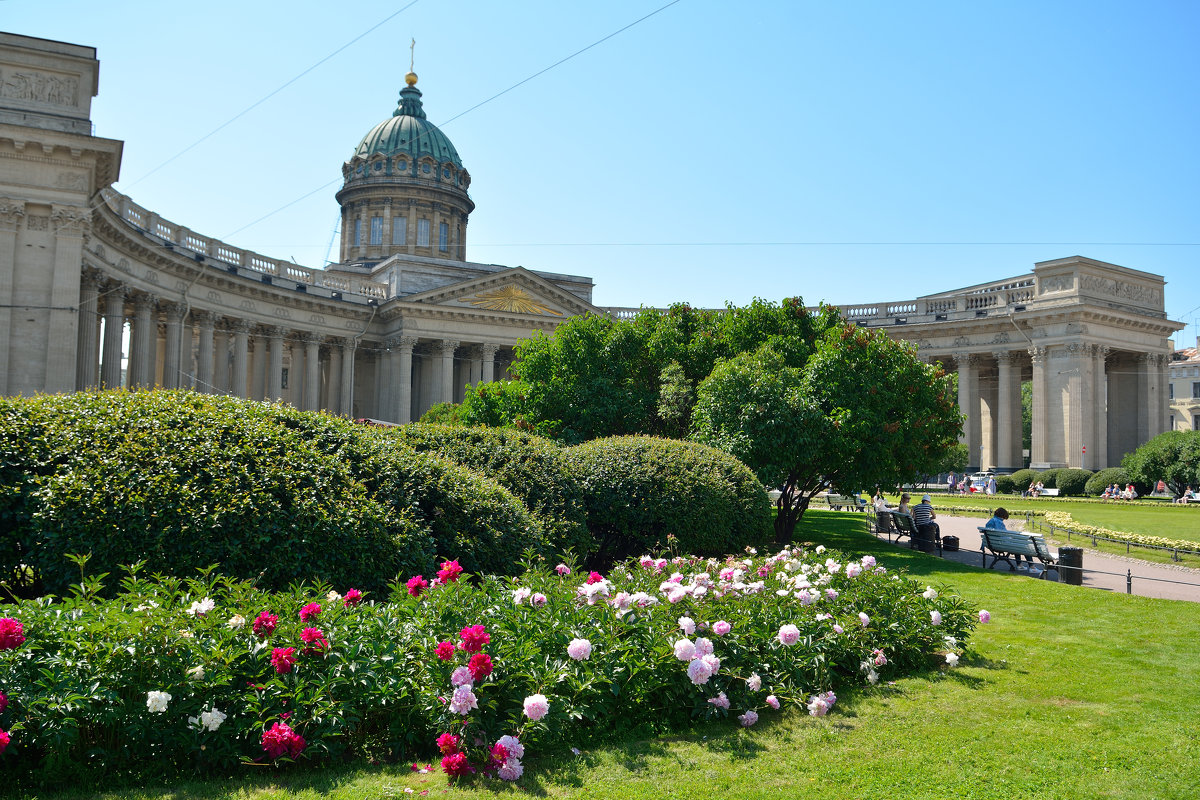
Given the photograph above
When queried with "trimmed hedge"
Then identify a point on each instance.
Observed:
(1072, 482)
(533, 468)
(1105, 478)
(1049, 477)
(184, 480)
(1006, 485)
(1023, 477)
(639, 490)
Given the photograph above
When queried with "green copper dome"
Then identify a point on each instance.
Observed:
(409, 132)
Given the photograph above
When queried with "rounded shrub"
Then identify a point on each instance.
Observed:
(1005, 484)
(1104, 478)
(183, 481)
(1023, 477)
(1073, 482)
(1049, 478)
(639, 490)
(533, 468)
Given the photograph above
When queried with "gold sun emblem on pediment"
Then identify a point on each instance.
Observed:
(511, 298)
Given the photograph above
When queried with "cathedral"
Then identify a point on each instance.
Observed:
(404, 321)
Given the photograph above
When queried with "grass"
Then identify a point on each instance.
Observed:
(1068, 693)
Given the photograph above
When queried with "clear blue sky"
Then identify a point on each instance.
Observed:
(851, 152)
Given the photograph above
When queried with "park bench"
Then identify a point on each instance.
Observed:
(906, 527)
(1045, 493)
(1003, 544)
(838, 501)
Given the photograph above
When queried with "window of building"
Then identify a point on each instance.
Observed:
(357, 232)
(1172, 423)
(1195, 389)
(443, 237)
(1196, 422)
(425, 168)
(376, 230)
(1171, 391)
(422, 233)
(284, 378)
(399, 230)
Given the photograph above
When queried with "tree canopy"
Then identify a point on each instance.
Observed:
(1173, 457)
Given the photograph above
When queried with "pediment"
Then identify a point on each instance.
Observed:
(513, 291)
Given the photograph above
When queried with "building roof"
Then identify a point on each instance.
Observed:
(408, 131)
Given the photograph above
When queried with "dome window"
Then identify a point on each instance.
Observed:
(445, 172)
(425, 168)
(378, 166)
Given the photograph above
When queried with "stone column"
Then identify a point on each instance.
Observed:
(488, 354)
(1164, 401)
(404, 378)
(312, 371)
(240, 376)
(969, 405)
(384, 391)
(205, 352)
(143, 342)
(1008, 411)
(333, 401)
(1100, 414)
(221, 361)
(445, 362)
(386, 239)
(410, 235)
(114, 332)
(87, 359)
(274, 363)
(173, 350)
(1037, 444)
(12, 212)
(1147, 397)
(348, 345)
(71, 225)
(1080, 423)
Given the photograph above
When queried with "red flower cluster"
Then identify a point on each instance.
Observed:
(450, 571)
(594, 577)
(4, 739)
(316, 641)
(281, 740)
(480, 666)
(444, 651)
(12, 633)
(310, 612)
(264, 624)
(456, 765)
(283, 659)
(474, 637)
(447, 743)
(417, 584)
(353, 597)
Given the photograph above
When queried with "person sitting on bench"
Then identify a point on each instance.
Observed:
(923, 518)
(996, 523)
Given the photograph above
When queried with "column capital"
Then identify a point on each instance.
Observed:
(447, 346)
(241, 326)
(1006, 356)
(11, 212)
(92, 277)
(142, 302)
(71, 219)
(489, 350)
(1146, 358)
(1079, 350)
(348, 343)
(175, 312)
(408, 342)
(206, 319)
(308, 337)
(965, 359)
(273, 332)
(1037, 353)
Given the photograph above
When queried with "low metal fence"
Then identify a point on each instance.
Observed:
(1039, 523)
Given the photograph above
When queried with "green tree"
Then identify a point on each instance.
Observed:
(861, 411)
(1173, 457)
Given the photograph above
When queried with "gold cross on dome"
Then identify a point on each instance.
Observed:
(412, 55)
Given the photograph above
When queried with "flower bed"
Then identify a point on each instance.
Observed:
(193, 676)
(1062, 519)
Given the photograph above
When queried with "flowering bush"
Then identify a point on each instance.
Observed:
(463, 669)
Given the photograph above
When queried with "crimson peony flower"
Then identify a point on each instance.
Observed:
(316, 641)
(474, 638)
(594, 577)
(4, 739)
(456, 765)
(444, 651)
(448, 744)
(281, 740)
(264, 624)
(417, 584)
(310, 612)
(353, 597)
(283, 659)
(12, 634)
(450, 571)
(480, 666)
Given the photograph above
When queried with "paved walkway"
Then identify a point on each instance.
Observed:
(1100, 571)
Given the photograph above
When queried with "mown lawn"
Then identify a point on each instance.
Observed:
(1068, 693)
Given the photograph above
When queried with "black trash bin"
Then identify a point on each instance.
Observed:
(926, 538)
(1070, 565)
(950, 544)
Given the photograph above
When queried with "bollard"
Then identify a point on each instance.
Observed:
(1129, 582)
(1070, 565)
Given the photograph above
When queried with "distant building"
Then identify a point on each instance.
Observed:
(1185, 389)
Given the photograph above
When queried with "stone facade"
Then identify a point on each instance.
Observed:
(97, 291)
(1184, 389)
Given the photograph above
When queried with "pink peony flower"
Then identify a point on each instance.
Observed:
(444, 651)
(417, 584)
(704, 647)
(868, 562)
(448, 743)
(450, 571)
(310, 612)
(754, 682)
(4, 740)
(819, 704)
(699, 672)
(985, 617)
(687, 625)
(512, 745)
(838, 628)
(721, 627)
(456, 765)
(712, 662)
(283, 659)
(264, 624)
(879, 657)
(831, 594)
(579, 649)
(594, 577)
(536, 706)
(480, 666)
(462, 677)
(720, 701)
(805, 597)
(935, 617)
(864, 619)
(463, 700)
(510, 770)
(685, 650)
(315, 641)
(748, 719)
(563, 569)
(853, 570)
(788, 635)
(537, 600)
(773, 701)
(474, 637)
(281, 740)
(521, 594)
(353, 597)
